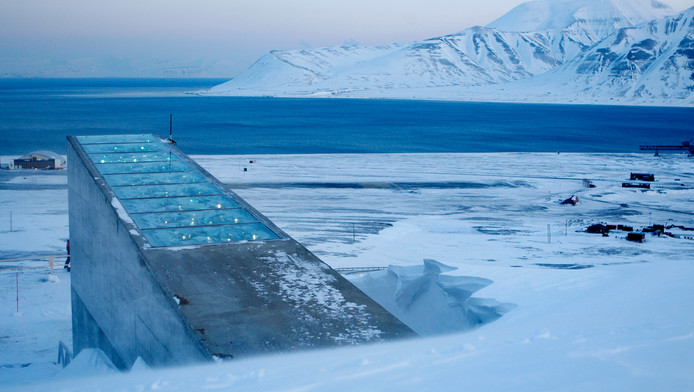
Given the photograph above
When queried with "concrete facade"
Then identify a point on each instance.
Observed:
(181, 304)
(117, 303)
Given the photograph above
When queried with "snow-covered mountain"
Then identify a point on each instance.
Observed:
(652, 62)
(487, 63)
(595, 19)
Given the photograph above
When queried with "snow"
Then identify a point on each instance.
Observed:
(577, 311)
(562, 14)
(312, 288)
(547, 51)
(89, 362)
(431, 303)
(121, 211)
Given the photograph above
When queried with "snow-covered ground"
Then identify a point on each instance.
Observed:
(585, 312)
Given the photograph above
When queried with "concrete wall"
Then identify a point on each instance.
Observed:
(236, 299)
(118, 304)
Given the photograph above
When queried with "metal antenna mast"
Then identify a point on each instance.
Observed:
(171, 141)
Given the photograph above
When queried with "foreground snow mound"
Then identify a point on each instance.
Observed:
(429, 302)
(89, 362)
(139, 366)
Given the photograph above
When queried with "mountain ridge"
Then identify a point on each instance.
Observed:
(487, 63)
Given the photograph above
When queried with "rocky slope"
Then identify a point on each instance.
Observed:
(594, 51)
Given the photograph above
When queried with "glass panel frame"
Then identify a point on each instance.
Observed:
(200, 218)
(209, 235)
(144, 167)
(173, 204)
(142, 179)
(127, 138)
(134, 157)
(170, 200)
(123, 148)
(150, 191)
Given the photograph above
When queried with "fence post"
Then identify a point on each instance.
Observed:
(50, 261)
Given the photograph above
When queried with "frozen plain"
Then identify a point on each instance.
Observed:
(591, 312)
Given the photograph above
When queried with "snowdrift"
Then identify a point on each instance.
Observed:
(431, 303)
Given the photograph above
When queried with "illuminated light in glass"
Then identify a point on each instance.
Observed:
(161, 207)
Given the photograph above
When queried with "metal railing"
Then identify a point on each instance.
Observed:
(37, 259)
(356, 270)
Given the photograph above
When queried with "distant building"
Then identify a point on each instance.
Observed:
(40, 160)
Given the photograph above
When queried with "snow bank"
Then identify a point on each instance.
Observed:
(89, 362)
(620, 325)
(431, 303)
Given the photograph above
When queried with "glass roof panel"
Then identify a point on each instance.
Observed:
(141, 138)
(145, 167)
(155, 178)
(192, 218)
(170, 200)
(137, 192)
(123, 148)
(179, 204)
(134, 157)
(208, 234)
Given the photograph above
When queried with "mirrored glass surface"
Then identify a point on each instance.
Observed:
(154, 178)
(192, 218)
(168, 204)
(163, 156)
(145, 167)
(208, 234)
(130, 147)
(137, 192)
(139, 138)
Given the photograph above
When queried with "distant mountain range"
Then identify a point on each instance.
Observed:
(563, 51)
(108, 67)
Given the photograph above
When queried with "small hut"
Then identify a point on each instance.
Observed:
(40, 160)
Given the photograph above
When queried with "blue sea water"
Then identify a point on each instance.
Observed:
(37, 114)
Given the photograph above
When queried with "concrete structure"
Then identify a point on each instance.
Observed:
(170, 265)
(39, 160)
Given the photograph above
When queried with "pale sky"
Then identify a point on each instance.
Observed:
(235, 31)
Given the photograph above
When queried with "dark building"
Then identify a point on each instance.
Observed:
(40, 160)
(642, 176)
